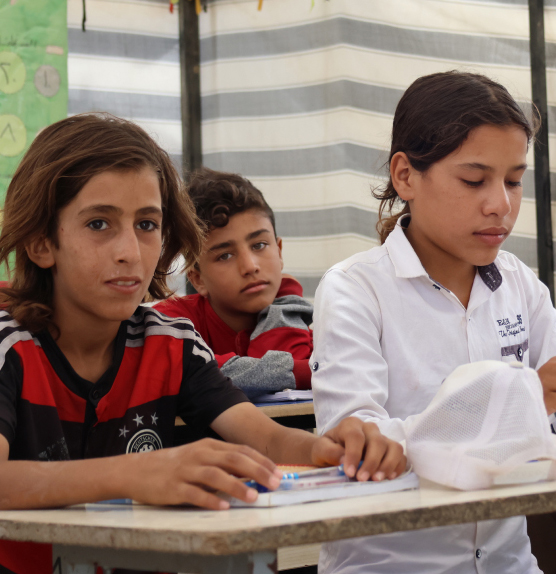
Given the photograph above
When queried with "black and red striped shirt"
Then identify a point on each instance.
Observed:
(161, 369)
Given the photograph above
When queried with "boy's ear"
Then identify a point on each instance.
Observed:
(279, 243)
(403, 176)
(195, 278)
(41, 252)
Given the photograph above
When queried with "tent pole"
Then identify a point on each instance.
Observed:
(545, 247)
(192, 156)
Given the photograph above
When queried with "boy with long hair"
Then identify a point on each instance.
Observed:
(90, 380)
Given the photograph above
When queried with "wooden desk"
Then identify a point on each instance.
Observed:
(245, 540)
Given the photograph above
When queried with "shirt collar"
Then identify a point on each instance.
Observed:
(403, 256)
(408, 265)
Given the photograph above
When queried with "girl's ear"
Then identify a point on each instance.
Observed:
(402, 174)
(41, 252)
(279, 243)
(196, 279)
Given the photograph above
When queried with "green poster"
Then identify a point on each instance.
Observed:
(33, 76)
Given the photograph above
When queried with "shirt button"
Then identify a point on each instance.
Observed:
(95, 394)
(315, 366)
(478, 553)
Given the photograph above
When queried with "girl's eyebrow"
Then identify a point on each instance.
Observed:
(483, 167)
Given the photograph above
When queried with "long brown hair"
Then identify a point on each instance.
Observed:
(60, 161)
(434, 117)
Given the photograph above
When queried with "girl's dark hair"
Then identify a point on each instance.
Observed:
(434, 117)
(218, 195)
(61, 160)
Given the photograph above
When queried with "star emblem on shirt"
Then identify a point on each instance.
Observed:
(138, 419)
(154, 418)
(123, 432)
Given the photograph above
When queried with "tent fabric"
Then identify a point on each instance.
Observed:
(300, 99)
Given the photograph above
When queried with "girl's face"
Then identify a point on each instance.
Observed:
(466, 204)
(109, 243)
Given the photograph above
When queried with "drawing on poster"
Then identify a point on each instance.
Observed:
(33, 76)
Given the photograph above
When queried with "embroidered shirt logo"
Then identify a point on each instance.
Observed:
(510, 327)
(144, 441)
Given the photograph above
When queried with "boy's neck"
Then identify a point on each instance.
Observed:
(87, 347)
(236, 321)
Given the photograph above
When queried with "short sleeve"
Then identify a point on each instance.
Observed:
(205, 392)
(11, 378)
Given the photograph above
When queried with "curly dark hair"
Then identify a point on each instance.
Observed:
(218, 195)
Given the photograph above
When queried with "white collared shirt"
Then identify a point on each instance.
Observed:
(386, 335)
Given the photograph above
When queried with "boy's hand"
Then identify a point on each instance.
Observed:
(187, 474)
(547, 375)
(353, 441)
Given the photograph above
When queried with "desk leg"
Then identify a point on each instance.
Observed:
(84, 560)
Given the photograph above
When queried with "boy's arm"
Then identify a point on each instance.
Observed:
(279, 347)
(170, 476)
(349, 442)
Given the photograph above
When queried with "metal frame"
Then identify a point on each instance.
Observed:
(545, 247)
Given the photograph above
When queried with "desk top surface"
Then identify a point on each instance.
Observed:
(193, 531)
(277, 410)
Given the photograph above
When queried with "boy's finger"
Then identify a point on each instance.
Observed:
(248, 452)
(238, 463)
(217, 479)
(326, 452)
(191, 494)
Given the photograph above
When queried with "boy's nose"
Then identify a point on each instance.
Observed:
(248, 264)
(127, 247)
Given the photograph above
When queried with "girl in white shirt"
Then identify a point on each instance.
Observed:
(391, 323)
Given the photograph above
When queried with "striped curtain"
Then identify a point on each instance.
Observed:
(299, 97)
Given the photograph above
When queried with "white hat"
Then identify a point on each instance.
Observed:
(485, 424)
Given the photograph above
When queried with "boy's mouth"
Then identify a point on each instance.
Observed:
(124, 284)
(255, 287)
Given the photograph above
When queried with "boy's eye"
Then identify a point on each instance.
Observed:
(147, 225)
(224, 257)
(473, 183)
(260, 245)
(98, 225)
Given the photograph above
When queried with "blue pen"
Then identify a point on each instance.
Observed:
(289, 478)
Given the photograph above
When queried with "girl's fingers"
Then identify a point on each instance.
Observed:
(191, 494)
(392, 460)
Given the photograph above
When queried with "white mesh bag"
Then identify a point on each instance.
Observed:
(487, 420)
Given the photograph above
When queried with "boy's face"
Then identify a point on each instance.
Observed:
(240, 269)
(109, 243)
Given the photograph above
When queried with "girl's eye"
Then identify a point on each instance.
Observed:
(147, 225)
(473, 183)
(98, 225)
(514, 183)
(224, 257)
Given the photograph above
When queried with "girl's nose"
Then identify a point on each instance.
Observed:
(127, 247)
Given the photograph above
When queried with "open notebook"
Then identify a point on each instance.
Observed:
(293, 492)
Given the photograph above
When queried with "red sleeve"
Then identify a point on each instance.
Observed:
(176, 307)
(290, 286)
(298, 342)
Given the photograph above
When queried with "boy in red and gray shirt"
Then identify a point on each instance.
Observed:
(252, 316)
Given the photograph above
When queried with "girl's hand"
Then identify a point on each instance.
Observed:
(353, 441)
(547, 375)
(190, 474)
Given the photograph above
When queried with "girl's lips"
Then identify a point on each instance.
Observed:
(255, 288)
(490, 238)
